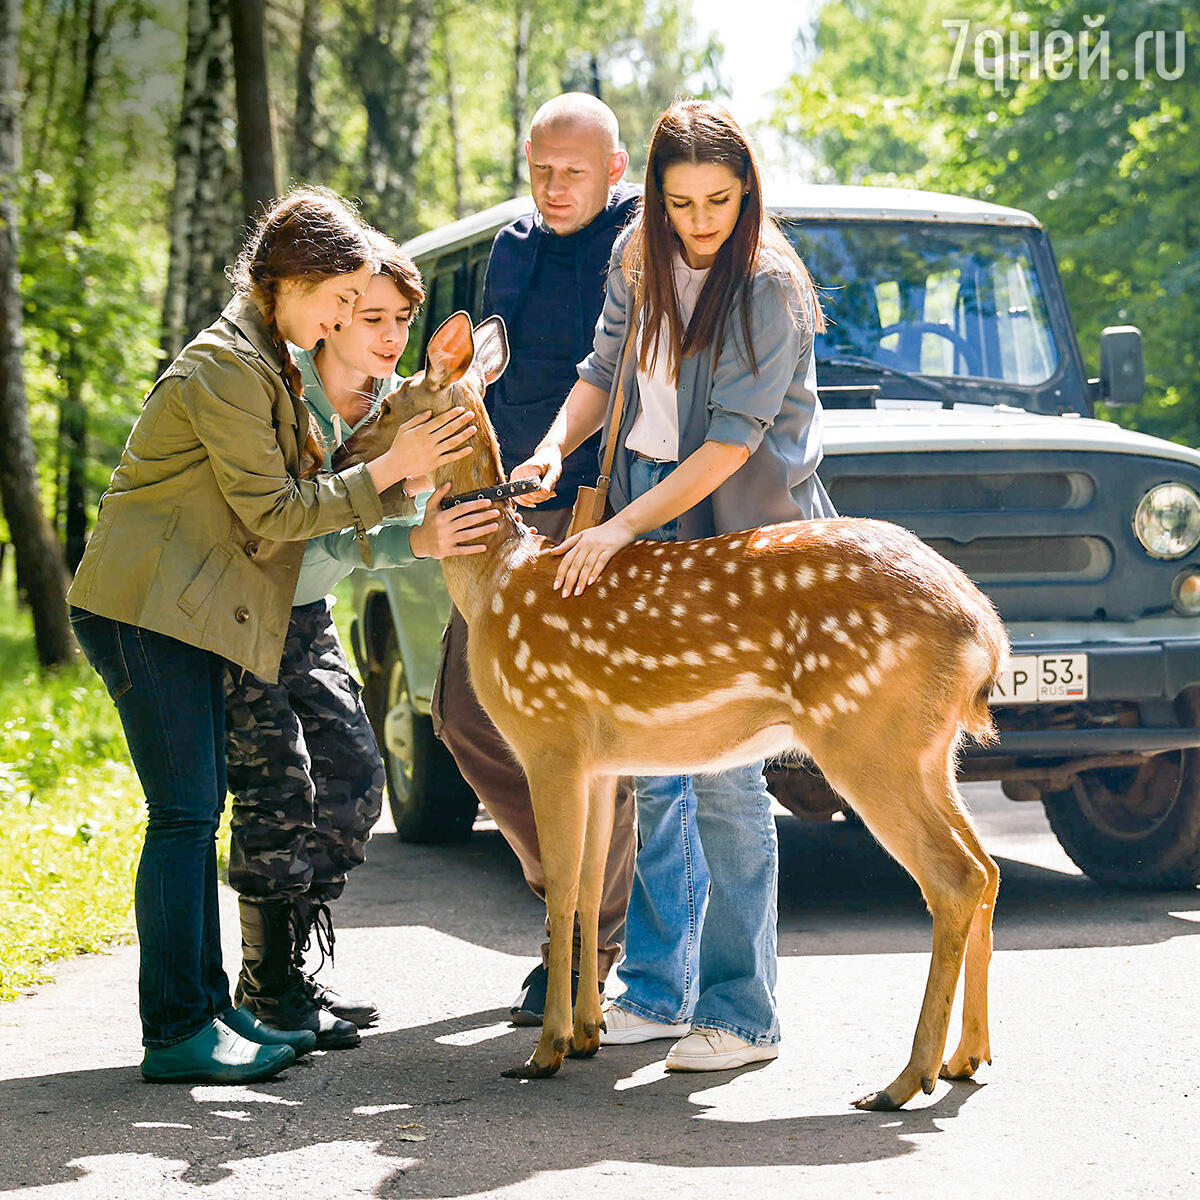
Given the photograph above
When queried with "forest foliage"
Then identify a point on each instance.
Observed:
(1107, 155)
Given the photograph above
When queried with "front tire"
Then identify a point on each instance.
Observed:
(431, 803)
(1135, 827)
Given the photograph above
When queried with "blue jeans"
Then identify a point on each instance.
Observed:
(700, 935)
(171, 700)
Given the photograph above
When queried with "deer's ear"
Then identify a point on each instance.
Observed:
(450, 352)
(491, 349)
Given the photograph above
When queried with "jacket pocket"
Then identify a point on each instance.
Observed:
(198, 591)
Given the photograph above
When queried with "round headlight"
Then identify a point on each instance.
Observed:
(1167, 520)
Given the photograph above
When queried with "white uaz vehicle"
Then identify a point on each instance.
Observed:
(956, 404)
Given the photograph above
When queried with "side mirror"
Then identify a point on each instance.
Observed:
(1122, 371)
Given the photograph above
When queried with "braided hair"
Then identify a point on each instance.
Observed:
(308, 234)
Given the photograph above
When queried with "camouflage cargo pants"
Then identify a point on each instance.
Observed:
(304, 767)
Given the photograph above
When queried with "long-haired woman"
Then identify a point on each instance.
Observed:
(193, 562)
(709, 323)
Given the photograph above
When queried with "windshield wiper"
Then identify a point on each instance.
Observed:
(854, 362)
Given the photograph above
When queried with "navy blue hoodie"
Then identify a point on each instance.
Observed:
(549, 289)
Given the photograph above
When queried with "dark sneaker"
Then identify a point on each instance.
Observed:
(530, 1006)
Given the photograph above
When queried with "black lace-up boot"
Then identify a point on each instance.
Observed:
(270, 984)
(316, 923)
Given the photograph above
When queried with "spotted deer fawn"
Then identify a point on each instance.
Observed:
(846, 640)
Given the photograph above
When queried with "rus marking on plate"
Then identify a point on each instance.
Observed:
(1042, 679)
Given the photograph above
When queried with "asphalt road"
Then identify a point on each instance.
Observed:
(1094, 1091)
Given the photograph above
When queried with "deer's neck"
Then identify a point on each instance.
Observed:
(473, 579)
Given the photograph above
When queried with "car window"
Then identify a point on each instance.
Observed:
(936, 300)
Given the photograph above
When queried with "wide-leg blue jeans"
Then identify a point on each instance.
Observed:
(701, 932)
(171, 700)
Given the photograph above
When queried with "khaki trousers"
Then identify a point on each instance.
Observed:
(488, 765)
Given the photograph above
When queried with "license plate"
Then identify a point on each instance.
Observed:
(1042, 679)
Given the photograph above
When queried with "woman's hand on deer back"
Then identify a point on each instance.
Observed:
(425, 442)
(451, 532)
(544, 466)
(586, 554)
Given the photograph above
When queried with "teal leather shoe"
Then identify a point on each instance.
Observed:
(215, 1055)
(243, 1021)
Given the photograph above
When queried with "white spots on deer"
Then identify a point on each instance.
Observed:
(513, 626)
(756, 582)
(830, 624)
(731, 566)
(557, 622)
(530, 597)
(747, 645)
(780, 580)
(692, 658)
(721, 650)
(810, 662)
(844, 704)
(776, 640)
(705, 585)
(521, 658)
(832, 572)
(709, 551)
(538, 669)
(858, 682)
(820, 713)
(678, 610)
(880, 622)
(854, 572)
(854, 619)
(498, 602)
(805, 577)
(687, 562)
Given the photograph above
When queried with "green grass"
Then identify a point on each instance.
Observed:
(71, 809)
(71, 812)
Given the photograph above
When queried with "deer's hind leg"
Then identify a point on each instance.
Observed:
(559, 792)
(908, 809)
(602, 793)
(975, 1046)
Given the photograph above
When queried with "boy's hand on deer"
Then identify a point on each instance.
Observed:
(448, 532)
(586, 554)
(544, 465)
(425, 442)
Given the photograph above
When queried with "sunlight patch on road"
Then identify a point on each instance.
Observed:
(1186, 916)
(373, 1110)
(215, 1094)
(472, 1037)
(651, 1073)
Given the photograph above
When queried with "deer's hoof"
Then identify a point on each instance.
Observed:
(532, 1069)
(876, 1102)
(585, 1042)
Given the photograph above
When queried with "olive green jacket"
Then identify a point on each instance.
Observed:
(202, 529)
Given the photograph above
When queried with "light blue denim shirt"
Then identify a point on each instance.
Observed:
(329, 559)
(775, 413)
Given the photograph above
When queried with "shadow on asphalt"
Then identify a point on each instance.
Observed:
(834, 881)
(422, 1084)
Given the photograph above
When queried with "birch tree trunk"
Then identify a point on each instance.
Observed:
(520, 90)
(456, 166)
(395, 95)
(195, 125)
(304, 156)
(256, 140)
(40, 573)
(73, 416)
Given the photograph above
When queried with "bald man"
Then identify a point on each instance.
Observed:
(546, 278)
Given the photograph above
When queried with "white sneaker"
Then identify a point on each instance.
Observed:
(623, 1028)
(707, 1049)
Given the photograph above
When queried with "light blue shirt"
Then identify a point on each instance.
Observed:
(330, 558)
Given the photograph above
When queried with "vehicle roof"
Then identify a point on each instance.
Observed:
(855, 203)
(813, 201)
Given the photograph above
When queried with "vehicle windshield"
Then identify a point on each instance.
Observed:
(945, 301)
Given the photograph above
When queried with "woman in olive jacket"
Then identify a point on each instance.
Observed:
(193, 562)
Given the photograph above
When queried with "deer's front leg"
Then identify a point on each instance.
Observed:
(585, 1036)
(560, 813)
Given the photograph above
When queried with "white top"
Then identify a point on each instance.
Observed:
(655, 431)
